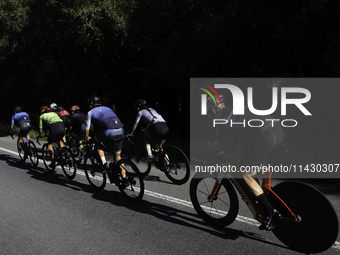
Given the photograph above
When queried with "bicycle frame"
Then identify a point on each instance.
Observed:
(256, 210)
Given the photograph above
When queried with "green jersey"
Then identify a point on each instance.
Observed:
(49, 118)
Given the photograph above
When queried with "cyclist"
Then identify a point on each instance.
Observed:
(257, 144)
(78, 124)
(108, 128)
(56, 127)
(156, 131)
(62, 113)
(23, 120)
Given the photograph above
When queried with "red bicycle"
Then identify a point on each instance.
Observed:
(309, 223)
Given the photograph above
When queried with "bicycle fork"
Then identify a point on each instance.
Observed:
(216, 189)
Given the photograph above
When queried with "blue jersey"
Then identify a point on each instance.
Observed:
(103, 118)
(19, 118)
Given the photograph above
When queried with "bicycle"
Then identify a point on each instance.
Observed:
(309, 223)
(171, 160)
(62, 157)
(133, 190)
(76, 148)
(27, 149)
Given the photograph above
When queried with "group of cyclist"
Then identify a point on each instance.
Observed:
(256, 144)
(102, 120)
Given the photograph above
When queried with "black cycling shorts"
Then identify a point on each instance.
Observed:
(55, 130)
(24, 128)
(112, 135)
(159, 131)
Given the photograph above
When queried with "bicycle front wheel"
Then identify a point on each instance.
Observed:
(68, 163)
(93, 173)
(49, 162)
(73, 144)
(21, 150)
(33, 152)
(318, 229)
(175, 165)
(138, 155)
(134, 190)
(220, 210)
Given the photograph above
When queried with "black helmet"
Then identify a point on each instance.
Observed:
(140, 103)
(94, 101)
(215, 102)
(17, 109)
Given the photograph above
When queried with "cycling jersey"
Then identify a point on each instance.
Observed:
(109, 126)
(257, 143)
(237, 123)
(149, 116)
(49, 118)
(78, 123)
(23, 120)
(77, 119)
(19, 117)
(103, 118)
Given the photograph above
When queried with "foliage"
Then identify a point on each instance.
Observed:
(64, 51)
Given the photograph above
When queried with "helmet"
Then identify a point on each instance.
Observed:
(44, 109)
(74, 109)
(94, 101)
(140, 103)
(215, 102)
(17, 109)
(53, 105)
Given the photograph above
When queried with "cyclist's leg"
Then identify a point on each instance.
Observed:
(51, 138)
(258, 152)
(24, 128)
(158, 134)
(81, 136)
(119, 139)
(101, 137)
(147, 142)
(60, 132)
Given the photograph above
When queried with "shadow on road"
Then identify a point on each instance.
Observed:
(112, 197)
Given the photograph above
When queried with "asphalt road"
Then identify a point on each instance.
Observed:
(42, 213)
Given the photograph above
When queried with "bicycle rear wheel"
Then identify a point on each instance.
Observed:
(218, 211)
(318, 229)
(68, 163)
(33, 152)
(49, 162)
(93, 173)
(175, 165)
(138, 155)
(135, 189)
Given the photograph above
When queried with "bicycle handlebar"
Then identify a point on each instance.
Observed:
(37, 138)
(129, 139)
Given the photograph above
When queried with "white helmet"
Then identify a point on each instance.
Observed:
(53, 105)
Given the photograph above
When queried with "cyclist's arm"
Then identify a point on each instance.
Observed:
(12, 123)
(133, 129)
(88, 126)
(40, 125)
